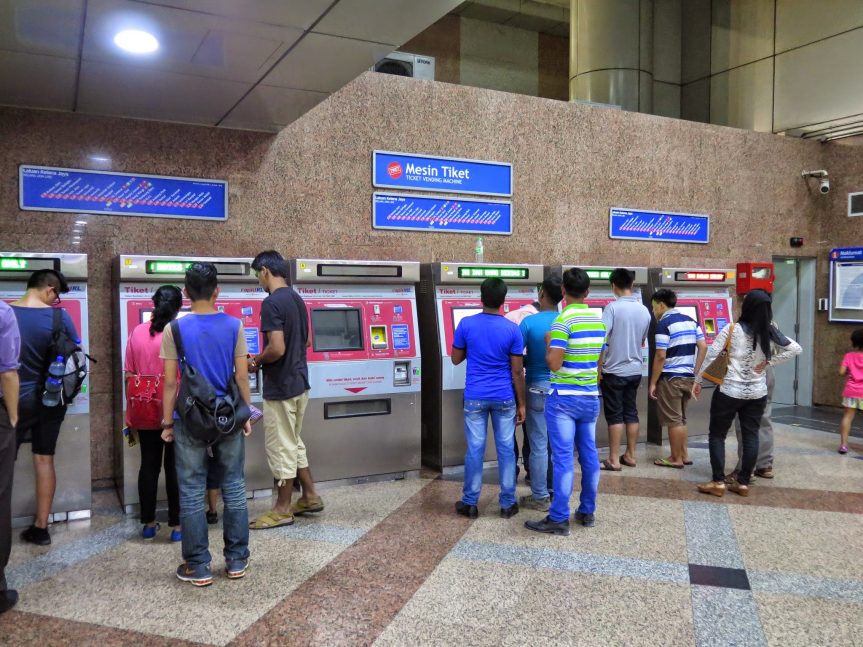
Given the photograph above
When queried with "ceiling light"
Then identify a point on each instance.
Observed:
(80, 222)
(136, 41)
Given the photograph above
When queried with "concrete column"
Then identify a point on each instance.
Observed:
(611, 52)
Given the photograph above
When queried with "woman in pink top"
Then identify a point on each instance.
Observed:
(142, 358)
(852, 395)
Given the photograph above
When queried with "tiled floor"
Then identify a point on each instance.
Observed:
(391, 564)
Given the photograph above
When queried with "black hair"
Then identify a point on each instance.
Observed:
(48, 278)
(552, 286)
(757, 313)
(576, 282)
(493, 293)
(273, 261)
(666, 296)
(202, 279)
(167, 301)
(857, 339)
(622, 278)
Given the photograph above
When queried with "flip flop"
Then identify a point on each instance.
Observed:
(664, 462)
(623, 461)
(271, 519)
(608, 467)
(687, 462)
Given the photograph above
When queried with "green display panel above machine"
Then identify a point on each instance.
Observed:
(180, 267)
(486, 272)
(13, 264)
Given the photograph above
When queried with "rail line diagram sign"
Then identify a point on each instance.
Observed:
(446, 215)
(658, 226)
(43, 188)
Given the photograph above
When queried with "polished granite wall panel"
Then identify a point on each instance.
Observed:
(307, 191)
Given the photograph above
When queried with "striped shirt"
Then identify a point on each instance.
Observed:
(580, 334)
(678, 334)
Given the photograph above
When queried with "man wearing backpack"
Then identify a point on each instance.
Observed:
(37, 422)
(10, 348)
(213, 349)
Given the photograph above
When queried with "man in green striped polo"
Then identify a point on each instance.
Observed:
(574, 343)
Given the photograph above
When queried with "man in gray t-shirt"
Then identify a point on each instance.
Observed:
(626, 321)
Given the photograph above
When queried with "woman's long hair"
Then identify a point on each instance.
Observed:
(167, 301)
(757, 313)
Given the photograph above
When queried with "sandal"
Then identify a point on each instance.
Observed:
(664, 462)
(271, 519)
(312, 505)
(606, 466)
(623, 461)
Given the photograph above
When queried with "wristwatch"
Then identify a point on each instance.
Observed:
(167, 425)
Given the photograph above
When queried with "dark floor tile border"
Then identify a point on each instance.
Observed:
(728, 578)
(773, 497)
(356, 595)
(23, 628)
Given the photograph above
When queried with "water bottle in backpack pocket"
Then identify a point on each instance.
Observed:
(52, 396)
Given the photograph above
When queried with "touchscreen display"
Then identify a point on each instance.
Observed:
(336, 329)
(460, 313)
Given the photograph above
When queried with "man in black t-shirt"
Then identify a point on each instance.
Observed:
(285, 324)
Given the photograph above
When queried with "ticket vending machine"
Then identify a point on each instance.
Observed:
(363, 415)
(448, 293)
(72, 460)
(600, 296)
(136, 279)
(704, 295)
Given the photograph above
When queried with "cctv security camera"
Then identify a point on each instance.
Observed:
(821, 174)
(824, 185)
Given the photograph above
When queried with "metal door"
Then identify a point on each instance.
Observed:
(793, 311)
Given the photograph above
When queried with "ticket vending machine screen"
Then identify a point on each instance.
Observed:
(146, 314)
(689, 311)
(460, 313)
(337, 329)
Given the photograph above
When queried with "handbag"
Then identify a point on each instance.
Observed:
(144, 401)
(718, 368)
(206, 417)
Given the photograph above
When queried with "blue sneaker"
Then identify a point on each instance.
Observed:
(176, 535)
(149, 532)
(199, 575)
(236, 568)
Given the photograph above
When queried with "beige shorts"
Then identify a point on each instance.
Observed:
(672, 395)
(283, 423)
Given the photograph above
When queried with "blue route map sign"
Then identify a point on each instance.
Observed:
(658, 226)
(447, 215)
(42, 188)
(440, 174)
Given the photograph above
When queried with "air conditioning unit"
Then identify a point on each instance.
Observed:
(855, 204)
(404, 64)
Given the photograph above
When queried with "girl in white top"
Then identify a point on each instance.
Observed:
(743, 393)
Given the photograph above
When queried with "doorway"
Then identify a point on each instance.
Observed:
(794, 313)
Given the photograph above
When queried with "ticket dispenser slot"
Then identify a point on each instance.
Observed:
(710, 327)
(379, 337)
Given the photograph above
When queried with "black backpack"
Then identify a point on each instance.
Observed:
(73, 355)
(206, 417)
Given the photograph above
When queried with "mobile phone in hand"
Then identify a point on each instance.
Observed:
(257, 414)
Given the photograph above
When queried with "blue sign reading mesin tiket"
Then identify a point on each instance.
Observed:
(445, 215)
(42, 188)
(440, 174)
(659, 226)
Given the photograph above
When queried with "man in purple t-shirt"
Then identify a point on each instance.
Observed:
(10, 348)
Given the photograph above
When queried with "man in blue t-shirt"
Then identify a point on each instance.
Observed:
(494, 386)
(214, 345)
(533, 330)
(38, 424)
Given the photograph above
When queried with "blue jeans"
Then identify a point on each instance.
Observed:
(571, 423)
(537, 431)
(476, 414)
(192, 466)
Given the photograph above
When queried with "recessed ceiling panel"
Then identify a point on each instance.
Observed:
(41, 26)
(126, 91)
(287, 13)
(36, 81)
(383, 21)
(269, 108)
(189, 42)
(325, 63)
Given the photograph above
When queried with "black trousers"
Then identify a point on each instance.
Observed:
(153, 448)
(7, 467)
(723, 410)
